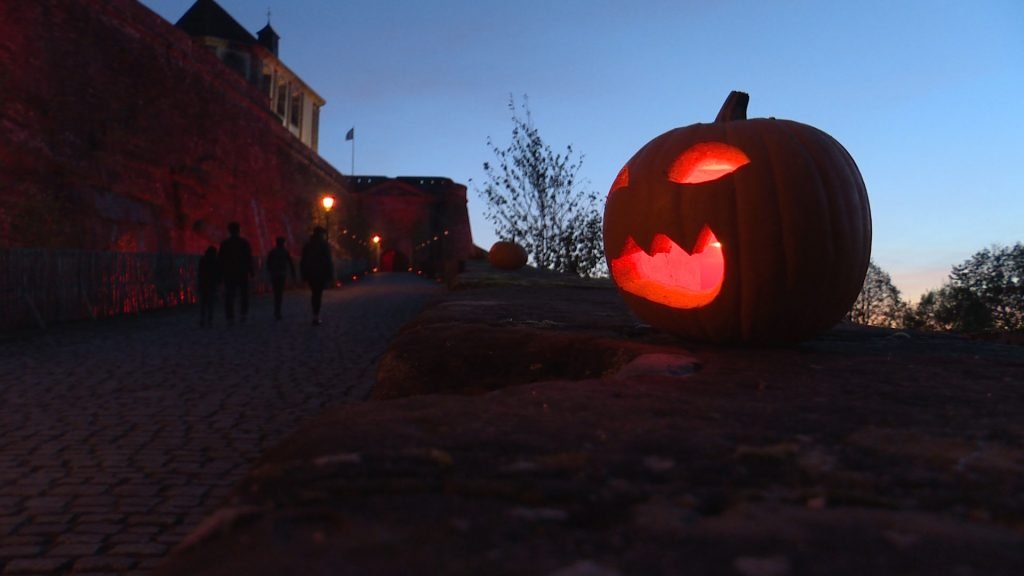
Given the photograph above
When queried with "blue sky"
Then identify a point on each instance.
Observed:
(926, 95)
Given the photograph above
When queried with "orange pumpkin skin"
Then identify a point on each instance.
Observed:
(790, 219)
(506, 255)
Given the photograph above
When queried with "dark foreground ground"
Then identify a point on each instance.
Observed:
(528, 425)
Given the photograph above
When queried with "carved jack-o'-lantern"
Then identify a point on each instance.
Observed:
(739, 230)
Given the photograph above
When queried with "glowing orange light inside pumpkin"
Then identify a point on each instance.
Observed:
(622, 180)
(705, 162)
(670, 275)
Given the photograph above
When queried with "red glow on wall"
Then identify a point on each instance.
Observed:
(670, 275)
(705, 162)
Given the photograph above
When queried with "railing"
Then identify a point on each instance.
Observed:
(39, 287)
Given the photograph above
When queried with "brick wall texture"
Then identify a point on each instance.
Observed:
(117, 132)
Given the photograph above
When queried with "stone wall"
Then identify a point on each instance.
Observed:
(422, 221)
(118, 133)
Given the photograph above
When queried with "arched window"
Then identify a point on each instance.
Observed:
(237, 62)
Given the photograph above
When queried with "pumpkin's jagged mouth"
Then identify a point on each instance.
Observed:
(667, 274)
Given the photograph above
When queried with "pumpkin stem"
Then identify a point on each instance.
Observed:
(735, 107)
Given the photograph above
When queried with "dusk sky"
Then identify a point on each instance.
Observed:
(926, 94)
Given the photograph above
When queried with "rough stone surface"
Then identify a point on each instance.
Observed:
(117, 132)
(118, 436)
(861, 452)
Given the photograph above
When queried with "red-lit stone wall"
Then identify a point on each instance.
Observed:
(411, 215)
(118, 133)
(396, 213)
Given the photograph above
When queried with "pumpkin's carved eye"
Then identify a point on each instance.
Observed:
(622, 180)
(705, 162)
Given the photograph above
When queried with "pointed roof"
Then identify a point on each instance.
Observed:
(268, 31)
(207, 18)
(268, 38)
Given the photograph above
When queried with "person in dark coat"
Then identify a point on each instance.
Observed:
(208, 276)
(317, 268)
(279, 268)
(235, 268)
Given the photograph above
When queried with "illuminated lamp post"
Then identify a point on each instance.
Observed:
(376, 249)
(328, 202)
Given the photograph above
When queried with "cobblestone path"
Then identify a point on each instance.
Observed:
(117, 436)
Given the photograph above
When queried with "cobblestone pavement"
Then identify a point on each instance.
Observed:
(117, 436)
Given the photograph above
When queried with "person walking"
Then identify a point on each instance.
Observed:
(317, 268)
(208, 276)
(279, 268)
(235, 268)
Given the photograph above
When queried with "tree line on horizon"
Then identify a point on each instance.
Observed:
(982, 294)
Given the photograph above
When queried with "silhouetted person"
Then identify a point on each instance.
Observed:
(235, 268)
(208, 276)
(317, 268)
(279, 267)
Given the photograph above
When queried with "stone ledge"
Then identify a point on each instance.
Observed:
(862, 452)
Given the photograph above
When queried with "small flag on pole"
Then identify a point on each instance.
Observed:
(351, 134)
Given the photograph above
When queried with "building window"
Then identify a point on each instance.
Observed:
(315, 139)
(296, 115)
(237, 62)
(282, 99)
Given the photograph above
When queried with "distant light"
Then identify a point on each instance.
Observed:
(328, 202)
(376, 239)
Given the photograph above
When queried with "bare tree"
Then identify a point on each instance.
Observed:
(534, 198)
(879, 302)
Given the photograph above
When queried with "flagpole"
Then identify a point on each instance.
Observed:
(352, 136)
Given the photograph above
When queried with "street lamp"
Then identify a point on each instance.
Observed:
(328, 202)
(376, 246)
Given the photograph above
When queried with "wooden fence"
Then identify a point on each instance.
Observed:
(39, 287)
